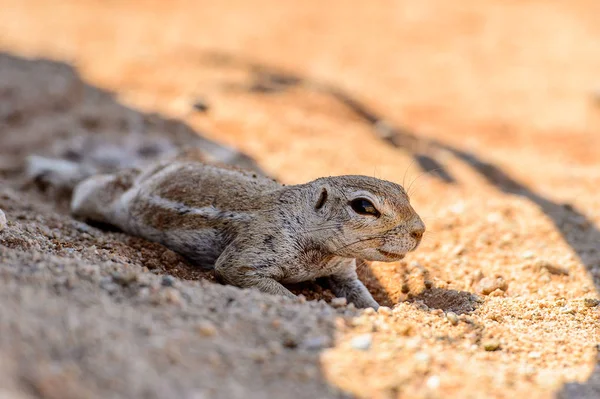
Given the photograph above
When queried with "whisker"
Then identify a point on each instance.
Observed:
(406, 171)
(421, 175)
(358, 241)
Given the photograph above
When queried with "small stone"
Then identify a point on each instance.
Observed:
(200, 105)
(567, 310)
(497, 293)
(276, 323)
(528, 255)
(384, 310)
(206, 328)
(423, 358)
(167, 281)
(534, 355)
(82, 227)
(170, 257)
(124, 278)
(173, 296)
(405, 289)
(339, 302)
(551, 268)
(452, 318)
(487, 285)
(362, 342)
(290, 342)
(108, 285)
(315, 343)
(428, 284)
(491, 345)
(369, 311)
(590, 302)
(458, 250)
(433, 382)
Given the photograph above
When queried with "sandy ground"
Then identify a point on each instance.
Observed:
(499, 100)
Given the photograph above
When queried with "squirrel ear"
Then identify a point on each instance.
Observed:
(322, 198)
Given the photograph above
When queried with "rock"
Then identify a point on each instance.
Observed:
(200, 105)
(339, 302)
(497, 293)
(491, 345)
(2, 220)
(384, 310)
(487, 285)
(590, 302)
(528, 255)
(206, 328)
(433, 382)
(107, 284)
(125, 279)
(405, 289)
(452, 318)
(167, 281)
(362, 342)
(170, 257)
(315, 343)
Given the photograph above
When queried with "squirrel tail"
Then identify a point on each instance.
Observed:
(57, 173)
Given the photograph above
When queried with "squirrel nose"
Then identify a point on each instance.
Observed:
(418, 230)
(417, 233)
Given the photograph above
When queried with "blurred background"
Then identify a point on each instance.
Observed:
(508, 77)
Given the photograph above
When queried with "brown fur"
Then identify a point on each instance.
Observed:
(253, 231)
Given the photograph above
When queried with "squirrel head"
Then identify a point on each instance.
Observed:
(364, 217)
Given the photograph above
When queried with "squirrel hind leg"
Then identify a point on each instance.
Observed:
(94, 199)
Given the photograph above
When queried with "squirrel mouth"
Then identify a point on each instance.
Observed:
(391, 254)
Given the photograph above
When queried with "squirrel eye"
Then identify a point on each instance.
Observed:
(364, 207)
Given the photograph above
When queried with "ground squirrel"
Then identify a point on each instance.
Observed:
(254, 231)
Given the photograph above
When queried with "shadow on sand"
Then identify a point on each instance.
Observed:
(576, 228)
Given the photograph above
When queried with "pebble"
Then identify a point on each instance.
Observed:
(108, 285)
(452, 318)
(200, 105)
(315, 343)
(173, 296)
(491, 345)
(384, 310)
(590, 302)
(339, 302)
(433, 382)
(170, 257)
(362, 342)
(369, 311)
(206, 328)
(2, 220)
(124, 278)
(567, 310)
(167, 281)
(528, 255)
(487, 285)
